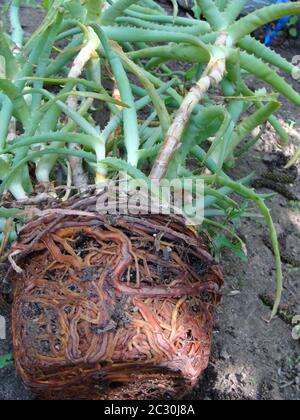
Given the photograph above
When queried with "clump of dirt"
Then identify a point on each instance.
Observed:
(278, 178)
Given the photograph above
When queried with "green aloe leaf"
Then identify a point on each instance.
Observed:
(5, 360)
(9, 66)
(21, 109)
(5, 164)
(49, 19)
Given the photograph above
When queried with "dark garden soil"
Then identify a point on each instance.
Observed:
(251, 359)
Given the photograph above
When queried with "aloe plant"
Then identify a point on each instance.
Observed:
(50, 84)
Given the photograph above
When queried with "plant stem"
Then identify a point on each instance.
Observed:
(131, 132)
(79, 176)
(158, 103)
(212, 76)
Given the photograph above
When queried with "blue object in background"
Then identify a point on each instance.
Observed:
(279, 26)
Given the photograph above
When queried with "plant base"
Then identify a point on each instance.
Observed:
(112, 308)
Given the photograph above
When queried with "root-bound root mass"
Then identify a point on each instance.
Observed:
(112, 309)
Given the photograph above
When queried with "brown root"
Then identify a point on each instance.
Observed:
(108, 308)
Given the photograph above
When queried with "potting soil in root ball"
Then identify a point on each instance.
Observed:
(108, 308)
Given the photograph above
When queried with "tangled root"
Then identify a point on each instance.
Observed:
(112, 309)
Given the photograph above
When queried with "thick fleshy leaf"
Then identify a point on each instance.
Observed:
(20, 107)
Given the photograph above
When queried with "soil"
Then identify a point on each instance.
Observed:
(251, 358)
